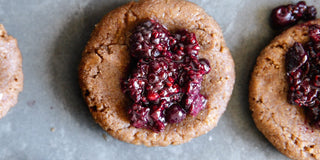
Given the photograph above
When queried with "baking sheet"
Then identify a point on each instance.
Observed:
(51, 121)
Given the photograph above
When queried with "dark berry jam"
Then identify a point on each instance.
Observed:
(287, 15)
(165, 84)
(303, 72)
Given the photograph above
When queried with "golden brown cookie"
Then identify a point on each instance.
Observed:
(283, 124)
(106, 57)
(11, 77)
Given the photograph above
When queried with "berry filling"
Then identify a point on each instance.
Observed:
(303, 74)
(165, 83)
(287, 15)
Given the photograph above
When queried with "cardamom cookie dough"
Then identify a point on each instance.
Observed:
(11, 76)
(105, 63)
(283, 124)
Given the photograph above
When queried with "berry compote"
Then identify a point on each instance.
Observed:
(303, 73)
(287, 15)
(165, 83)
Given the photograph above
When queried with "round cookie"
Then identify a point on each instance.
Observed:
(106, 58)
(283, 124)
(11, 76)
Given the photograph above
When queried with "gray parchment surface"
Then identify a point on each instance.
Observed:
(51, 121)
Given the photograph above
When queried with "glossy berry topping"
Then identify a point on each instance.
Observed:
(287, 15)
(165, 84)
(302, 65)
(148, 40)
(175, 114)
(310, 13)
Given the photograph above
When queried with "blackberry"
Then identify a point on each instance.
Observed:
(287, 15)
(165, 84)
(148, 40)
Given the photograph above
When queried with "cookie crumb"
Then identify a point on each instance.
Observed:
(52, 129)
(31, 103)
(104, 136)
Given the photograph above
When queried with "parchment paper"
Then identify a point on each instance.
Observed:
(51, 121)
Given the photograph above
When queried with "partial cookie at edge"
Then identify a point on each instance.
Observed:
(11, 76)
(284, 125)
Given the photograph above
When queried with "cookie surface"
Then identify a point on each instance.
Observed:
(11, 77)
(283, 124)
(106, 57)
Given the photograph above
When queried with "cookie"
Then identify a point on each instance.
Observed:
(283, 124)
(11, 76)
(106, 58)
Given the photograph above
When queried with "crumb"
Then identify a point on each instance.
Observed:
(51, 107)
(210, 138)
(104, 136)
(52, 129)
(31, 103)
